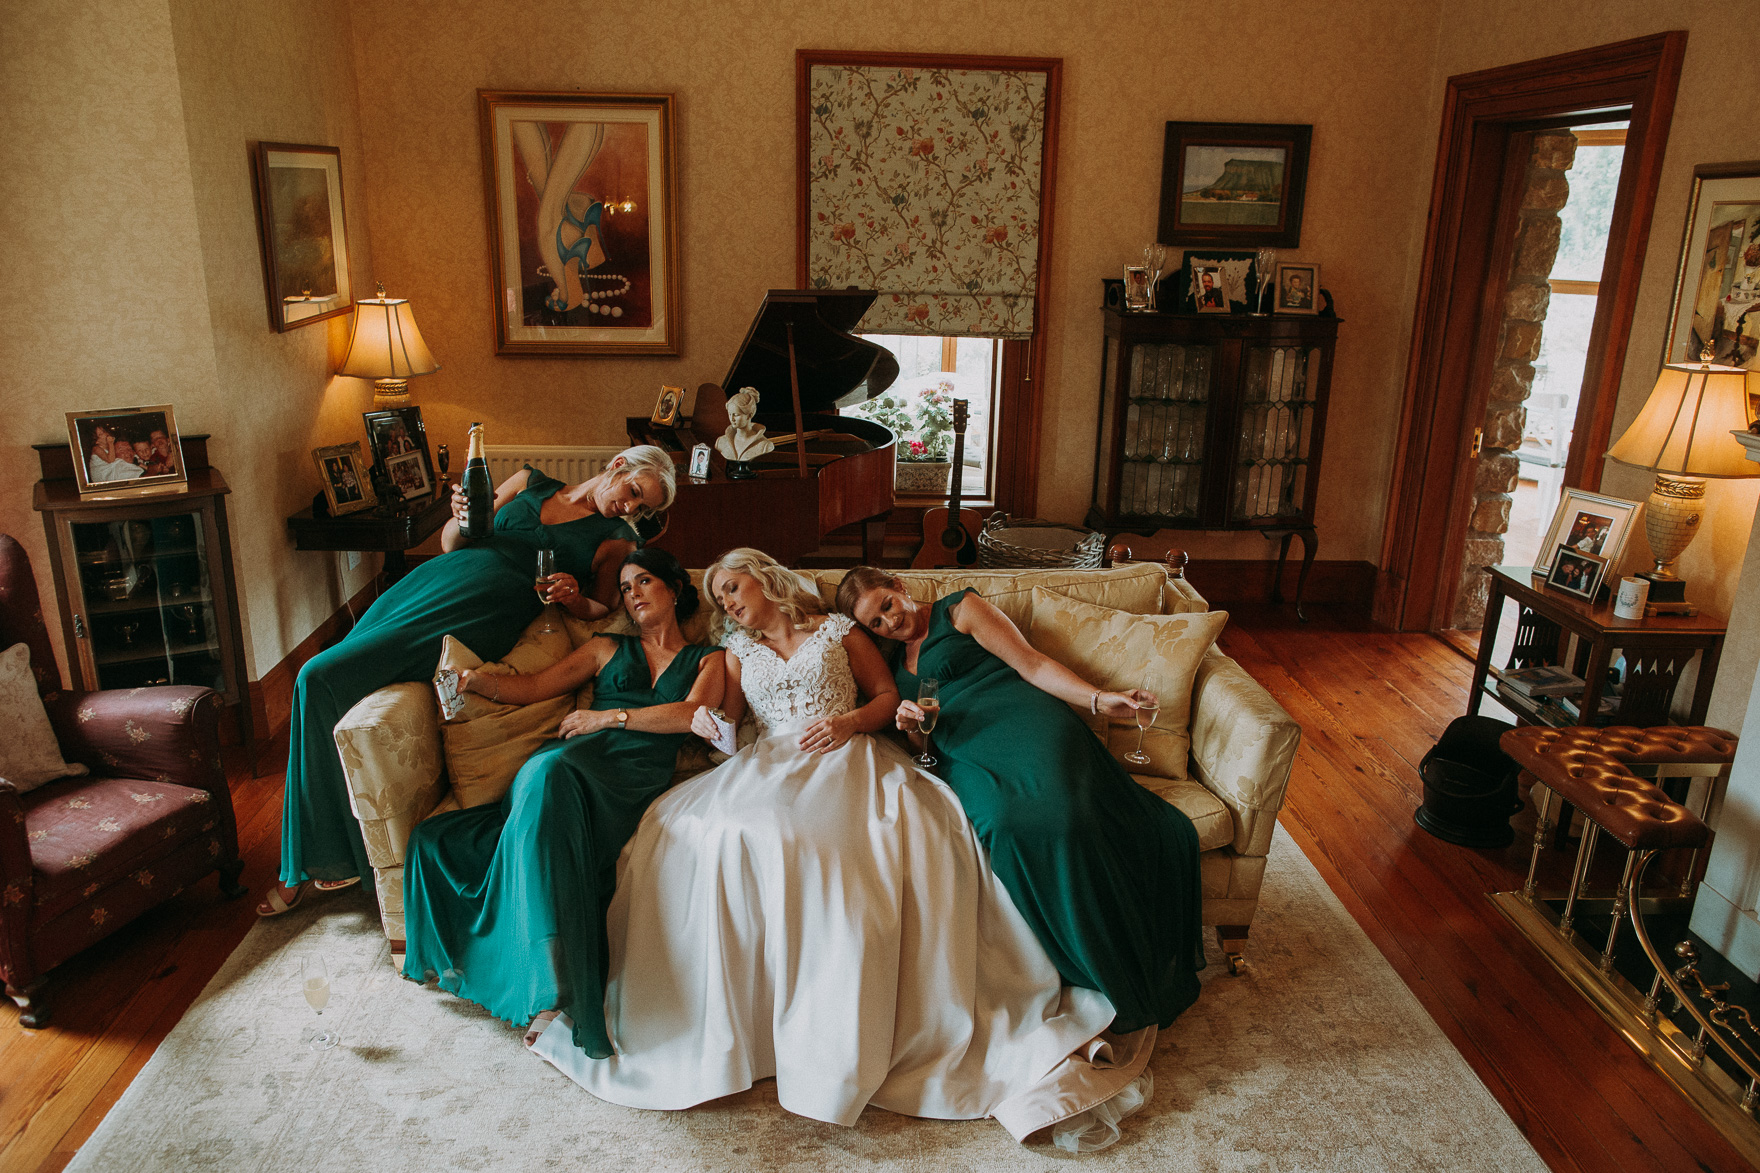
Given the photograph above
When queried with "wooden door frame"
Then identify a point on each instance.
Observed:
(1459, 288)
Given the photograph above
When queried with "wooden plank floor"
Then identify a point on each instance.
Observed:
(1369, 703)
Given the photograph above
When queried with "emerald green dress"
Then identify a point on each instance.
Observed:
(505, 903)
(480, 594)
(1104, 872)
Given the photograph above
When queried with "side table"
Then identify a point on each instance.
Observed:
(371, 531)
(1556, 628)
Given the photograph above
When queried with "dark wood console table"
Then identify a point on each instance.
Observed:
(1557, 628)
(369, 530)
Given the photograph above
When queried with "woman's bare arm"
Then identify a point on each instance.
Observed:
(564, 676)
(674, 717)
(977, 617)
(875, 682)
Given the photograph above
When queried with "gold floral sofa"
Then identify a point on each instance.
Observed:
(1229, 780)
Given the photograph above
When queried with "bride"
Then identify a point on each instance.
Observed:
(818, 910)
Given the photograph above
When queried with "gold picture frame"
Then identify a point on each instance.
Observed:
(347, 488)
(669, 408)
(1715, 298)
(583, 222)
(1297, 288)
(109, 460)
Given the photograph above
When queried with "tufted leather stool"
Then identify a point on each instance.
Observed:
(1590, 770)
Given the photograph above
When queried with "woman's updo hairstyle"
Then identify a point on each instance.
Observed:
(669, 570)
(647, 458)
(859, 582)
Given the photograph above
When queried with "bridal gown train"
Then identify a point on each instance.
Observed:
(831, 920)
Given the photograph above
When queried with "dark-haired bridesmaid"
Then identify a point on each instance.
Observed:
(505, 903)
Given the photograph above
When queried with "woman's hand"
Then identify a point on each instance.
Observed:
(560, 588)
(459, 503)
(827, 734)
(586, 721)
(471, 680)
(908, 715)
(702, 724)
(1124, 705)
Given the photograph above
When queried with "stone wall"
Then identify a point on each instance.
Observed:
(1512, 378)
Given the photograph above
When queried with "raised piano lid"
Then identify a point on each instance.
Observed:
(836, 368)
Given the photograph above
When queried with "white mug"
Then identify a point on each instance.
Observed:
(1633, 594)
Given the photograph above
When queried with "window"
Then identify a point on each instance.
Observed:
(956, 368)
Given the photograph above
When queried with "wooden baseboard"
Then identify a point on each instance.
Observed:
(272, 696)
(1237, 580)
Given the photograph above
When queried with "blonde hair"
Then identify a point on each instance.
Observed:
(859, 582)
(647, 458)
(796, 599)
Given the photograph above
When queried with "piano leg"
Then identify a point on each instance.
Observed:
(874, 539)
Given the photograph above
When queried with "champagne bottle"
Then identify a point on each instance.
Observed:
(479, 509)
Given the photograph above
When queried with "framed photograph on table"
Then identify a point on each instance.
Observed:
(399, 442)
(1298, 288)
(346, 486)
(1237, 184)
(1208, 294)
(1717, 283)
(1588, 523)
(583, 222)
(301, 232)
(126, 451)
(1576, 572)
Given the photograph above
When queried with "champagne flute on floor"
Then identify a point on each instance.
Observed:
(546, 568)
(1145, 713)
(314, 981)
(928, 700)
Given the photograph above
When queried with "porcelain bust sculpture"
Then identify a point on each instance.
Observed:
(743, 439)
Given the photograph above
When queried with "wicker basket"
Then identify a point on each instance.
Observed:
(1007, 544)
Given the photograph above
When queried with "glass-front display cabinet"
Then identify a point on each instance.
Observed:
(1211, 421)
(146, 588)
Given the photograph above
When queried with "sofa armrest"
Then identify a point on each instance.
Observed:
(1243, 747)
(392, 757)
(170, 732)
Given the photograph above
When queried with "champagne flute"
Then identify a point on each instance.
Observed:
(314, 980)
(1145, 714)
(928, 700)
(546, 568)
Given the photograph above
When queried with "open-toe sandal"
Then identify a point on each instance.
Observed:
(539, 1024)
(275, 904)
(335, 885)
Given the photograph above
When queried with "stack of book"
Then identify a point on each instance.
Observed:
(1547, 681)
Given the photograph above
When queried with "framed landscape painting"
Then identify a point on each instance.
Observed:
(583, 222)
(1238, 184)
(301, 232)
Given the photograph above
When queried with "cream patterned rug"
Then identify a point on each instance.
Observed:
(1317, 1059)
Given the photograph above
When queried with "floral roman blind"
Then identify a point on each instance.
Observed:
(924, 185)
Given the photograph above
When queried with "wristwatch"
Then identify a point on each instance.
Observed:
(623, 718)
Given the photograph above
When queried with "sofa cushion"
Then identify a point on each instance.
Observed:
(29, 754)
(487, 743)
(84, 833)
(1118, 650)
(1137, 587)
(390, 747)
(1213, 820)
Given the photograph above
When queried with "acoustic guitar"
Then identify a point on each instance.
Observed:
(950, 534)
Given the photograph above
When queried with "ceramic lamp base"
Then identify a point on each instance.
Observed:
(1671, 518)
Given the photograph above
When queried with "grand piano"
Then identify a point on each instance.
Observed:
(805, 363)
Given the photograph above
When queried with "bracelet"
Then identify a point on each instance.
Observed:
(1094, 703)
(497, 683)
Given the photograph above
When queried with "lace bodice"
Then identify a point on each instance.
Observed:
(815, 682)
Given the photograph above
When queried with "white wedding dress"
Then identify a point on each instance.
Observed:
(831, 920)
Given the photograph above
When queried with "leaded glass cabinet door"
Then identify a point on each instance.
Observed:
(1279, 398)
(1168, 393)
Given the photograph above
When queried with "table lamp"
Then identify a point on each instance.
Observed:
(1683, 436)
(387, 348)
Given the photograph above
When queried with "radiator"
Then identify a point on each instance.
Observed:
(568, 463)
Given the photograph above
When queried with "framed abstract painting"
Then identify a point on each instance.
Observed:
(583, 221)
(301, 232)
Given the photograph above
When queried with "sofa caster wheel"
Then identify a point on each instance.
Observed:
(1233, 940)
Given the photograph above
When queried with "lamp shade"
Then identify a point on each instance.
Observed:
(385, 343)
(1685, 426)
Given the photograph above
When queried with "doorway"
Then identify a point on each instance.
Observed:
(1470, 372)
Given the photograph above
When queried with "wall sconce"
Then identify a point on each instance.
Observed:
(386, 347)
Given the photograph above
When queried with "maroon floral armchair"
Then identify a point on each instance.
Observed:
(81, 857)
